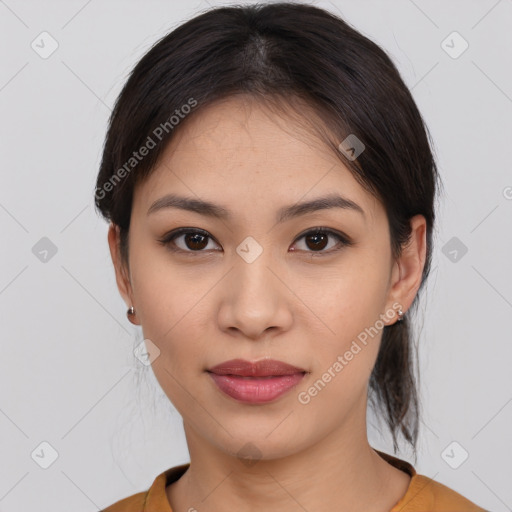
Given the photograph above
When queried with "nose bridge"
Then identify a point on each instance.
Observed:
(251, 272)
(255, 301)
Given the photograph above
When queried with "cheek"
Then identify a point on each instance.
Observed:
(340, 383)
(172, 316)
(175, 309)
(343, 361)
(163, 292)
(348, 299)
(349, 305)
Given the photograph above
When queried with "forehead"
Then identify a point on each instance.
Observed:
(241, 152)
(243, 131)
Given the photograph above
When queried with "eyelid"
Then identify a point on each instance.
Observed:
(343, 240)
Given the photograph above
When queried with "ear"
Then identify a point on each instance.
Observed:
(408, 268)
(120, 267)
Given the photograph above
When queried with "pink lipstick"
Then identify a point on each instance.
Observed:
(259, 382)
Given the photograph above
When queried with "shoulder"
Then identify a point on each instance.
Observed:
(134, 503)
(425, 491)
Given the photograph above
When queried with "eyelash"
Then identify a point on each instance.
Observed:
(343, 241)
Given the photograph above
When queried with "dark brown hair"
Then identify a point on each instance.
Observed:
(287, 52)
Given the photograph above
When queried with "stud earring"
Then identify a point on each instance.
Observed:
(400, 315)
(130, 313)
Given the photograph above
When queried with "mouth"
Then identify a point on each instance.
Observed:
(262, 368)
(252, 383)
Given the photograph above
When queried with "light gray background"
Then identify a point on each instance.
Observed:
(68, 374)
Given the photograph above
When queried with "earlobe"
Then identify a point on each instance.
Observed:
(407, 279)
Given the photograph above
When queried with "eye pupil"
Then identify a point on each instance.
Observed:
(196, 241)
(316, 237)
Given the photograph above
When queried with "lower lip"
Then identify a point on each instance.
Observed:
(256, 390)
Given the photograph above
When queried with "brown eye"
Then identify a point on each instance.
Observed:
(195, 241)
(187, 240)
(318, 239)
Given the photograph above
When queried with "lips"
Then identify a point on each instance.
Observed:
(263, 368)
(256, 383)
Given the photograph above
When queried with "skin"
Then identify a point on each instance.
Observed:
(201, 309)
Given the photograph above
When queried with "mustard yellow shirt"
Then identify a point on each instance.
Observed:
(423, 493)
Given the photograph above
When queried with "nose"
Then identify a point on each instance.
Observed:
(255, 298)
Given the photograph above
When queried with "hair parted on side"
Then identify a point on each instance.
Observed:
(287, 54)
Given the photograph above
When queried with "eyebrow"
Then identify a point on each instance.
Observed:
(216, 211)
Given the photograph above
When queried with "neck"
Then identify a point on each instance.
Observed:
(341, 472)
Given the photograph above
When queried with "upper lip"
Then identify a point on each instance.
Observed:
(262, 368)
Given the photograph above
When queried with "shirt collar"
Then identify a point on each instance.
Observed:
(156, 498)
(417, 497)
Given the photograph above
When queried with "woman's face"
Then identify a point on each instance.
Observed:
(256, 287)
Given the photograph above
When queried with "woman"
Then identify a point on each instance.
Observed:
(270, 187)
